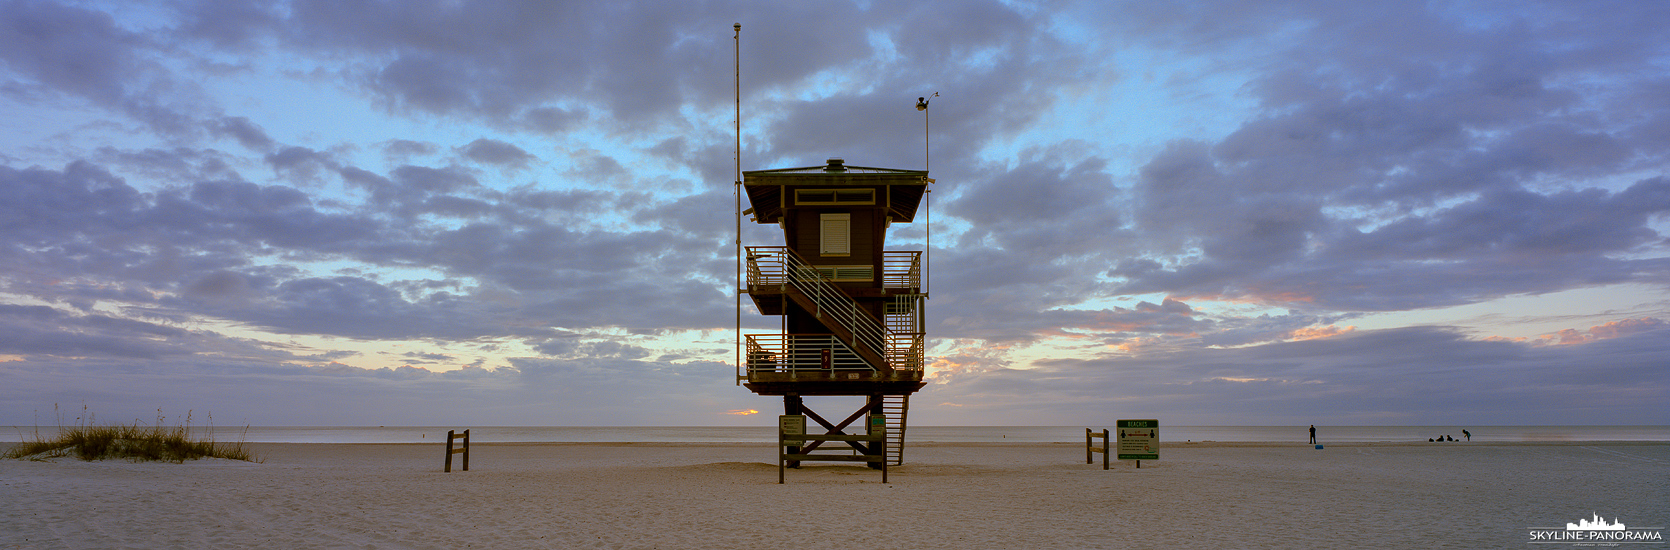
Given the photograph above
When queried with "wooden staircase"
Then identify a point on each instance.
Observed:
(844, 319)
(895, 408)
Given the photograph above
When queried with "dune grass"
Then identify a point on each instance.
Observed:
(136, 442)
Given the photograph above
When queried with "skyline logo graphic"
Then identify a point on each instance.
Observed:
(1599, 524)
(1596, 530)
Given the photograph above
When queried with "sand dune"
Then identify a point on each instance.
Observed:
(726, 496)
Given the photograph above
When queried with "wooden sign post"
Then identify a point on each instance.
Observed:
(1090, 449)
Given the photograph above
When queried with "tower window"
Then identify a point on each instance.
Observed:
(835, 234)
(817, 197)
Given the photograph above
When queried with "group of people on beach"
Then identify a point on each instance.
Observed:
(1444, 438)
(1464, 433)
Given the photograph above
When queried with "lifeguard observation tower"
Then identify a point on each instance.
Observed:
(851, 311)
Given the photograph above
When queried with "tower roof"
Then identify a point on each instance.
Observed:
(899, 191)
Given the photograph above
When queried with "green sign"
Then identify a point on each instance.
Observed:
(1138, 439)
(791, 425)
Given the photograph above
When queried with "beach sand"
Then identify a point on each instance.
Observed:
(965, 496)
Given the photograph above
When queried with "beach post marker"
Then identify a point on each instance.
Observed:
(1090, 449)
(464, 450)
(788, 425)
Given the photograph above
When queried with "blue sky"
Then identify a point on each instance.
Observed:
(507, 213)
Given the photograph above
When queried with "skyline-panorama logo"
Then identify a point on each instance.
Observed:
(1596, 531)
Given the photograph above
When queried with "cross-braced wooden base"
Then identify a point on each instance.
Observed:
(792, 404)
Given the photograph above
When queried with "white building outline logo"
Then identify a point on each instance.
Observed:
(1597, 530)
(1599, 524)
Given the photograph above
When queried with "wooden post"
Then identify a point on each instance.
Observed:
(465, 450)
(792, 404)
(879, 447)
(1105, 449)
(1090, 447)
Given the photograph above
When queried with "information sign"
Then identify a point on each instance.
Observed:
(791, 425)
(1138, 439)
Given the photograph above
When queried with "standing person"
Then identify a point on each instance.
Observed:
(1467, 434)
(1313, 433)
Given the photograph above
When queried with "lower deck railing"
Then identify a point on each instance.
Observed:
(791, 353)
(801, 352)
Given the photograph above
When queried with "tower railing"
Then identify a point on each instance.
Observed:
(901, 269)
(781, 266)
(767, 266)
(801, 354)
(830, 300)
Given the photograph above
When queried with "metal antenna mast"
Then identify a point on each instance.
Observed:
(736, 190)
(927, 203)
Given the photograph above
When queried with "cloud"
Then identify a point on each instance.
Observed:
(394, 209)
(488, 151)
(1608, 331)
(1413, 376)
(246, 132)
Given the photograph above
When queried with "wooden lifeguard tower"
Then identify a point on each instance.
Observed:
(852, 311)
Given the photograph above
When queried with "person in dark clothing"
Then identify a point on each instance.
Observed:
(1313, 433)
(1467, 434)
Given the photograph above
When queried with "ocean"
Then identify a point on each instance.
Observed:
(918, 434)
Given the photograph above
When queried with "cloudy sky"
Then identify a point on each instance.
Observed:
(460, 213)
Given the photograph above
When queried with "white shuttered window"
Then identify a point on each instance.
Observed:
(836, 235)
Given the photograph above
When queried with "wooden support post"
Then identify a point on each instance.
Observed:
(879, 447)
(1090, 449)
(1106, 448)
(792, 404)
(464, 450)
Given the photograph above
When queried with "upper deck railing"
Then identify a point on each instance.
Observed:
(767, 265)
(901, 269)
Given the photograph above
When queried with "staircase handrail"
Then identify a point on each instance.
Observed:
(866, 331)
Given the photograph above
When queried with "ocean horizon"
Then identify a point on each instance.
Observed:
(918, 434)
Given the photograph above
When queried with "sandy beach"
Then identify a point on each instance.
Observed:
(1223, 495)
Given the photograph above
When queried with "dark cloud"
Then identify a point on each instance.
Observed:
(402, 149)
(77, 50)
(247, 133)
(44, 331)
(1412, 376)
(489, 151)
(85, 54)
(1393, 157)
(228, 25)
